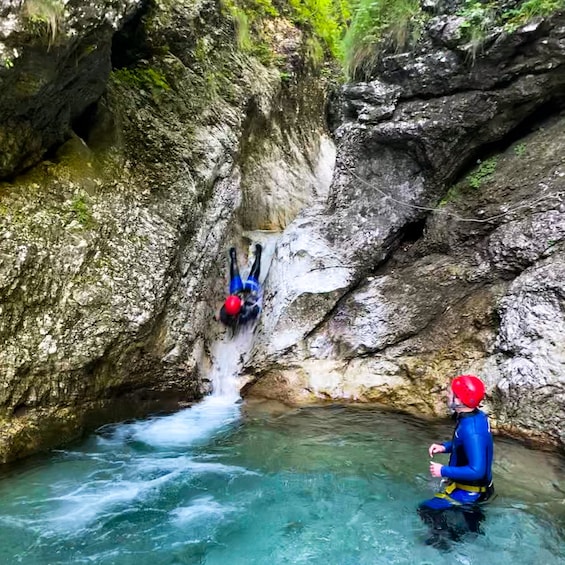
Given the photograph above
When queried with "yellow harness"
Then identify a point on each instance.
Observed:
(452, 486)
(469, 488)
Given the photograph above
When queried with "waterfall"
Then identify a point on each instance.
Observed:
(229, 353)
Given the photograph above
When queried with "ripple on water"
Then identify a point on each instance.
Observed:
(327, 486)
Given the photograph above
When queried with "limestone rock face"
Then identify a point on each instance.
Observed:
(55, 59)
(112, 248)
(530, 356)
(444, 211)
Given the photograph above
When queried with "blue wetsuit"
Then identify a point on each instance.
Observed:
(250, 291)
(470, 473)
(251, 296)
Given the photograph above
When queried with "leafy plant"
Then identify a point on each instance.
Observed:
(482, 172)
(478, 18)
(81, 211)
(519, 149)
(326, 18)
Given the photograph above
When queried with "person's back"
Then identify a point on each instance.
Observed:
(251, 307)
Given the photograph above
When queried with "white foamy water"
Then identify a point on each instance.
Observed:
(230, 352)
(188, 427)
(134, 464)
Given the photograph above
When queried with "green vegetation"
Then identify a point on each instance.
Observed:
(482, 172)
(451, 195)
(322, 21)
(529, 10)
(519, 149)
(376, 26)
(392, 25)
(480, 16)
(45, 16)
(474, 180)
(81, 210)
(327, 19)
(248, 17)
(241, 23)
(147, 79)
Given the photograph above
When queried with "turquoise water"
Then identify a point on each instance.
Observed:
(225, 483)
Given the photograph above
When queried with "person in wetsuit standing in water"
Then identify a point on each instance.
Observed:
(243, 303)
(456, 509)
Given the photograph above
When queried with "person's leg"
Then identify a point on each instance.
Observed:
(433, 513)
(236, 284)
(252, 283)
(256, 268)
(473, 518)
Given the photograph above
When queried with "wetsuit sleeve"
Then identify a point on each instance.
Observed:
(249, 313)
(448, 446)
(476, 468)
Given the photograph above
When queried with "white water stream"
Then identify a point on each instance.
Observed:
(128, 464)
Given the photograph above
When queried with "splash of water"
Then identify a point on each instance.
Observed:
(229, 353)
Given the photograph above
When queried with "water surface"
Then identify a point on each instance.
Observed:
(228, 483)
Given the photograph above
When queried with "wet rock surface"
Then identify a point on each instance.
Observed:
(112, 247)
(444, 196)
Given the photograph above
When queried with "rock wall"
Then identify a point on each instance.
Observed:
(112, 246)
(439, 248)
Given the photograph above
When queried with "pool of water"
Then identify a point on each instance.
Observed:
(232, 483)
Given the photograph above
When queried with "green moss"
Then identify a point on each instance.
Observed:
(29, 84)
(144, 78)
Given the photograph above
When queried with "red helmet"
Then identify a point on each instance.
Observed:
(232, 305)
(469, 389)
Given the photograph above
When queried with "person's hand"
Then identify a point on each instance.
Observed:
(436, 448)
(435, 469)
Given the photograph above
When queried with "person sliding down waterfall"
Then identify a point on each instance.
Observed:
(456, 510)
(243, 305)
